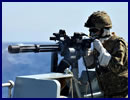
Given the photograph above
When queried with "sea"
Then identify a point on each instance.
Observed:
(26, 64)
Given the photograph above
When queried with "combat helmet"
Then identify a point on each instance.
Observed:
(99, 19)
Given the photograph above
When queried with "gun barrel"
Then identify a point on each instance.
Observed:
(34, 48)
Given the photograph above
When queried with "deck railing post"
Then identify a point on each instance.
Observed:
(10, 85)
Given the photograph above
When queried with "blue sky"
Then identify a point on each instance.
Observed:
(37, 21)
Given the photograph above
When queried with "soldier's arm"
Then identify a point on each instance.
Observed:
(116, 63)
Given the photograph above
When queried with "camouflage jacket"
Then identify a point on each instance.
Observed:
(113, 79)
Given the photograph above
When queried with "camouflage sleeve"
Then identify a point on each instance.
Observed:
(116, 63)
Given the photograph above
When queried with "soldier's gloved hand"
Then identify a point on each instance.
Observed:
(104, 56)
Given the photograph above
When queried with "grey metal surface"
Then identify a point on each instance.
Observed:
(84, 80)
(39, 86)
(85, 87)
(33, 88)
(48, 76)
(36, 88)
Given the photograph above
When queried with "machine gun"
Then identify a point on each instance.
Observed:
(64, 41)
(72, 48)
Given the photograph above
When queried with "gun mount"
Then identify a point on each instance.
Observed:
(72, 48)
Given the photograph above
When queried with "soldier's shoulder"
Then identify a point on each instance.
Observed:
(117, 39)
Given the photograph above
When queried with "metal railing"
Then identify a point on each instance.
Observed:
(10, 85)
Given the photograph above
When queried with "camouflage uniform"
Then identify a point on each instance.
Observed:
(113, 79)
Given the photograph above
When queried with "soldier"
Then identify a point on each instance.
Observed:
(112, 60)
